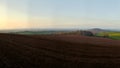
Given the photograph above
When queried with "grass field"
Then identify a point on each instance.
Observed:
(112, 35)
(36, 32)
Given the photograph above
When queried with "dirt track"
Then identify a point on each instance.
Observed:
(58, 51)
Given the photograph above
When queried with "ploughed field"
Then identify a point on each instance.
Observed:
(58, 51)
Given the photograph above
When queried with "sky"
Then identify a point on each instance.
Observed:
(16, 14)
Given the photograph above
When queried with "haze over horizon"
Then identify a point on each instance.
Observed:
(16, 14)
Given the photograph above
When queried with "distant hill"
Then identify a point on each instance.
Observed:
(98, 30)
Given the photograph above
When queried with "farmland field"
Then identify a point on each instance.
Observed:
(112, 35)
(58, 51)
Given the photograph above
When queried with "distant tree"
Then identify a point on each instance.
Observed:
(87, 33)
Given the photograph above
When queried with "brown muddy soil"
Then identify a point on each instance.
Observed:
(58, 51)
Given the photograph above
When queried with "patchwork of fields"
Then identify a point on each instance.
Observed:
(112, 35)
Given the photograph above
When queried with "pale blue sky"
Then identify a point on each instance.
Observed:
(105, 9)
(63, 13)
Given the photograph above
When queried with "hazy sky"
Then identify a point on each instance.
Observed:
(59, 14)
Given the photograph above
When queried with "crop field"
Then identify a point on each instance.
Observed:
(58, 51)
(112, 35)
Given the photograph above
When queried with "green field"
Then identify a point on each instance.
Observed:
(36, 32)
(112, 35)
